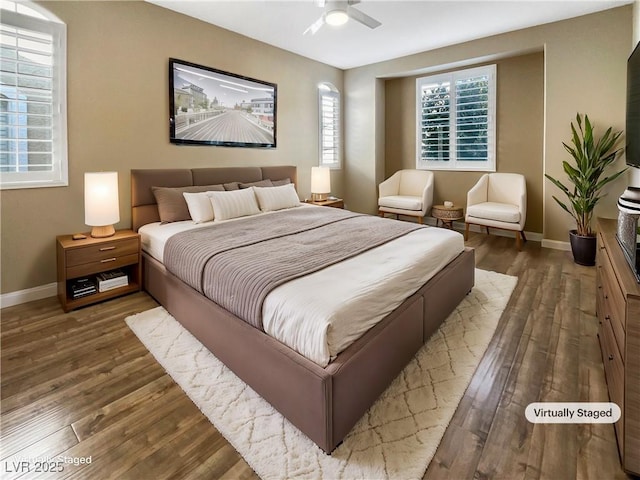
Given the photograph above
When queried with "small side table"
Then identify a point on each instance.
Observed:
(446, 215)
(330, 202)
(88, 257)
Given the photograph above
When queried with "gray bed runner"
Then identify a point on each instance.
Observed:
(236, 264)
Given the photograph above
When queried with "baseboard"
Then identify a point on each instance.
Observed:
(556, 245)
(23, 296)
(536, 237)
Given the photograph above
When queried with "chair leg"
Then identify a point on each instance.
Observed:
(381, 213)
(487, 230)
(518, 242)
(523, 235)
(466, 232)
(420, 220)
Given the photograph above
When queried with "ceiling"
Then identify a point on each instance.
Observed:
(407, 26)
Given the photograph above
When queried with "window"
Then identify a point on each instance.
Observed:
(33, 127)
(329, 126)
(456, 122)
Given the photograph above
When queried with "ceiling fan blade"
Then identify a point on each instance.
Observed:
(363, 18)
(315, 26)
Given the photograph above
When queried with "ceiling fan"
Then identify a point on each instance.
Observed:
(338, 12)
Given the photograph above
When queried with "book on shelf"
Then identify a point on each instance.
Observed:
(112, 279)
(81, 287)
(83, 294)
(111, 274)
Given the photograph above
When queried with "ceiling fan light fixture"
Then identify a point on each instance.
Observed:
(336, 17)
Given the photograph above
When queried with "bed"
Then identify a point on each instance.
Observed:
(323, 397)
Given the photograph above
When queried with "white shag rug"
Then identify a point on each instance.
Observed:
(398, 435)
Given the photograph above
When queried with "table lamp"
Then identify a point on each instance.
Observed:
(101, 206)
(320, 183)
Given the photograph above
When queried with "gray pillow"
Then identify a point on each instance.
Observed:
(262, 183)
(279, 183)
(172, 206)
(232, 186)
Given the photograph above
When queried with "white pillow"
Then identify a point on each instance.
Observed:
(277, 198)
(234, 203)
(199, 206)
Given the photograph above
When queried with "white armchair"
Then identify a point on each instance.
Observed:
(498, 200)
(407, 192)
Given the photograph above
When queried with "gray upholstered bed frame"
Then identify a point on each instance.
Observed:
(324, 403)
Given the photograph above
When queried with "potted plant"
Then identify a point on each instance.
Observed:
(591, 158)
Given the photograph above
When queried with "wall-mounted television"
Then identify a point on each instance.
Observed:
(633, 109)
(212, 107)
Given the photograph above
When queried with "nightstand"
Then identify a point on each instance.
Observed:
(86, 258)
(332, 202)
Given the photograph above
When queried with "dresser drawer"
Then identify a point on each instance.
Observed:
(103, 251)
(614, 303)
(614, 372)
(600, 286)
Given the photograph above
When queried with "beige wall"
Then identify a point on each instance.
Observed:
(520, 95)
(118, 118)
(585, 71)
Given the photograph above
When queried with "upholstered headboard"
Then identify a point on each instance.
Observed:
(144, 208)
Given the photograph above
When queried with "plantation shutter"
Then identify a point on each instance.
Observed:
(472, 118)
(329, 129)
(435, 128)
(33, 126)
(456, 120)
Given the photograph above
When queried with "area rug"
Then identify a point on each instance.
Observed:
(398, 435)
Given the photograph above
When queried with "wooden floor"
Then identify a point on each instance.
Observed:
(81, 385)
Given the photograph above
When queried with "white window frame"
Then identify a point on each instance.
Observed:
(328, 91)
(488, 165)
(32, 19)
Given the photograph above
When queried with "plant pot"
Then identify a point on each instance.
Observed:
(583, 248)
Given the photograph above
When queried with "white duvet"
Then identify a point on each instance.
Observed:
(323, 313)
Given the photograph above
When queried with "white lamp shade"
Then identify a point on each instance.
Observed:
(101, 205)
(320, 180)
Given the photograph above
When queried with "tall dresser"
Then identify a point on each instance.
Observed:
(618, 309)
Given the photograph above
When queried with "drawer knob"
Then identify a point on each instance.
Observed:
(602, 247)
(104, 249)
(606, 296)
(607, 317)
(610, 357)
(107, 260)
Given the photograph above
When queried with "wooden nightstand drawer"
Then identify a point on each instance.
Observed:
(109, 263)
(95, 253)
